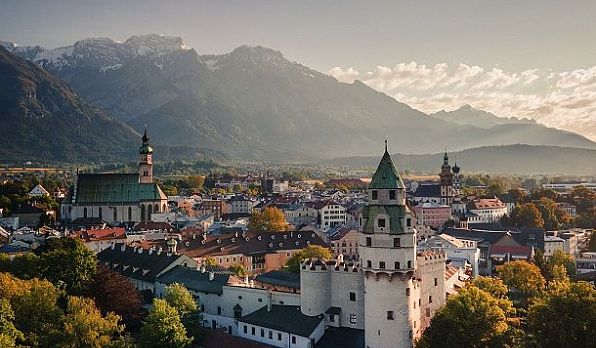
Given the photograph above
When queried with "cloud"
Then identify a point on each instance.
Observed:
(565, 100)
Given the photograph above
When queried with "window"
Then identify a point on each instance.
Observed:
(368, 264)
(278, 336)
(352, 318)
(430, 299)
(396, 242)
(428, 312)
(262, 332)
(436, 281)
(409, 222)
(407, 291)
(381, 223)
(245, 329)
(390, 315)
(331, 318)
(409, 264)
(392, 194)
(218, 310)
(270, 334)
(293, 339)
(382, 264)
(368, 241)
(252, 330)
(419, 302)
(375, 195)
(397, 265)
(352, 296)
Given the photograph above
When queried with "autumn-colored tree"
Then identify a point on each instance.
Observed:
(84, 326)
(113, 292)
(527, 215)
(587, 219)
(565, 317)
(472, 318)
(9, 334)
(522, 276)
(238, 270)
(311, 251)
(270, 219)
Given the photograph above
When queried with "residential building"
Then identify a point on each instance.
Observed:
(432, 214)
(568, 208)
(330, 214)
(344, 242)
(486, 210)
(552, 244)
(462, 253)
(38, 191)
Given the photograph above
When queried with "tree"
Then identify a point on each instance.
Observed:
(9, 334)
(67, 261)
(522, 276)
(548, 209)
(556, 267)
(84, 326)
(178, 296)
(493, 286)
(113, 292)
(163, 328)
(527, 215)
(238, 270)
(270, 219)
(35, 304)
(311, 251)
(472, 318)
(586, 219)
(565, 317)
(25, 266)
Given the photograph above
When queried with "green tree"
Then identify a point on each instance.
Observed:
(587, 219)
(527, 215)
(522, 276)
(311, 251)
(178, 296)
(472, 318)
(163, 327)
(238, 270)
(67, 261)
(270, 219)
(565, 317)
(25, 266)
(84, 326)
(9, 334)
(548, 210)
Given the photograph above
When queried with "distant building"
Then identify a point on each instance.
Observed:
(38, 191)
(568, 208)
(552, 244)
(486, 210)
(345, 242)
(331, 214)
(568, 186)
(432, 214)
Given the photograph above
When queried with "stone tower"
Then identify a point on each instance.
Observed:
(387, 246)
(145, 161)
(446, 182)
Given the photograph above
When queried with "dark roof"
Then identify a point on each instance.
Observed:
(237, 243)
(143, 266)
(29, 209)
(194, 279)
(115, 188)
(152, 225)
(234, 216)
(386, 176)
(341, 337)
(526, 236)
(284, 318)
(333, 310)
(281, 278)
(428, 190)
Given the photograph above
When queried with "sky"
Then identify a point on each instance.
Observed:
(530, 58)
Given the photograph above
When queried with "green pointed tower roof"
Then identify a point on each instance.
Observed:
(386, 176)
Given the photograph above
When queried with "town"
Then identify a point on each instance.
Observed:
(349, 262)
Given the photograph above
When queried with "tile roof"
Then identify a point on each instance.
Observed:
(194, 279)
(145, 266)
(341, 337)
(284, 318)
(281, 278)
(428, 190)
(101, 234)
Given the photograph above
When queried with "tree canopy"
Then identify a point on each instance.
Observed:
(522, 276)
(311, 251)
(163, 327)
(270, 219)
(178, 296)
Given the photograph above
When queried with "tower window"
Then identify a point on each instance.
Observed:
(353, 319)
(407, 291)
(392, 194)
(397, 265)
(390, 315)
(436, 282)
(368, 241)
(409, 222)
(381, 223)
(382, 264)
(375, 195)
(430, 299)
(369, 264)
(352, 296)
(396, 242)
(409, 264)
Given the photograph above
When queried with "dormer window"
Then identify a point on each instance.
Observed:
(375, 195)
(381, 223)
(392, 194)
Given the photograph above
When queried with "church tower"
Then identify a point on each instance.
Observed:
(387, 246)
(145, 161)
(456, 179)
(446, 182)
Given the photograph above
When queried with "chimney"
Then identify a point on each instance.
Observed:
(123, 248)
(113, 246)
(211, 275)
(269, 300)
(203, 268)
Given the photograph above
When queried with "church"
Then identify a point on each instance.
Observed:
(115, 198)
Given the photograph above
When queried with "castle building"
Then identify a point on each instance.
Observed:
(394, 291)
(117, 197)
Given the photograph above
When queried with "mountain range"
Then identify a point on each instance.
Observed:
(42, 118)
(255, 103)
